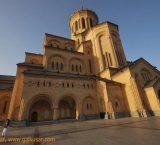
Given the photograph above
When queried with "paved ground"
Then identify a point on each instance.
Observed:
(124, 131)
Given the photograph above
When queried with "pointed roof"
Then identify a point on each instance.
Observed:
(133, 63)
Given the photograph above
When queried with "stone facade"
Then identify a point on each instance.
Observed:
(85, 77)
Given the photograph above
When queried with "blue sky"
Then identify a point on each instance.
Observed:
(24, 22)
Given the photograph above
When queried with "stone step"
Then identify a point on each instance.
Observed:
(67, 120)
(40, 123)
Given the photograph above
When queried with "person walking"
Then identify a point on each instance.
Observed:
(5, 130)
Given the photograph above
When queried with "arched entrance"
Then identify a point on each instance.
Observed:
(40, 111)
(34, 117)
(67, 108)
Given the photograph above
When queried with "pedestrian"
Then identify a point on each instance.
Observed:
(5, 130)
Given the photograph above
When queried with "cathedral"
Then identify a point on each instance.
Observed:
(82, 78)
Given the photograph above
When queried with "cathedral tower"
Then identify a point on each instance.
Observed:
(80, 22)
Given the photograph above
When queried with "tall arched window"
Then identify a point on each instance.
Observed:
(103, 49)
(87, 106)
(118, 50)
(80, 68)
(72, 28)
(57, 65)
(38, 84)
(72, 67)
(52, 65)
(110, 60)
(61, 66)
(83, 23)
(90, 67)
(76, 24)
(159, 94)
(44, 83)
(116, 104)
(76, 68)
(79, 23)
(91, 23)
(5, 106)
(143, 102)
(78, 42)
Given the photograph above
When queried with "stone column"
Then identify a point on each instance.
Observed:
(21, 111)
(55, 119)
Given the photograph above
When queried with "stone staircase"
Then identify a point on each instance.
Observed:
(67, 120)
(40, 123)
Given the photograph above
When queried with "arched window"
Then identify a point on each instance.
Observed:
(76, 68)
(78, 42)
(57, 46)
(44, 83)
(5, 106)
(83, 23)
(79, 23)
(119, 57)
(72, 85)
(91, 23)
(88, 85)
(80, 68)
(49, 83)
(67, 84)
(52, 65)
(90, 105)
(38, 84)
(143, 102)
(110, 60)
(90, 67)
(87, 106)
(145, 76)
(83, 85)
(76, 25)
(57, 65)
(159, 94)
(61, 66)
(72, 67)
(92, 86)
(72, 28)
(63, 85)
(116, 104)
